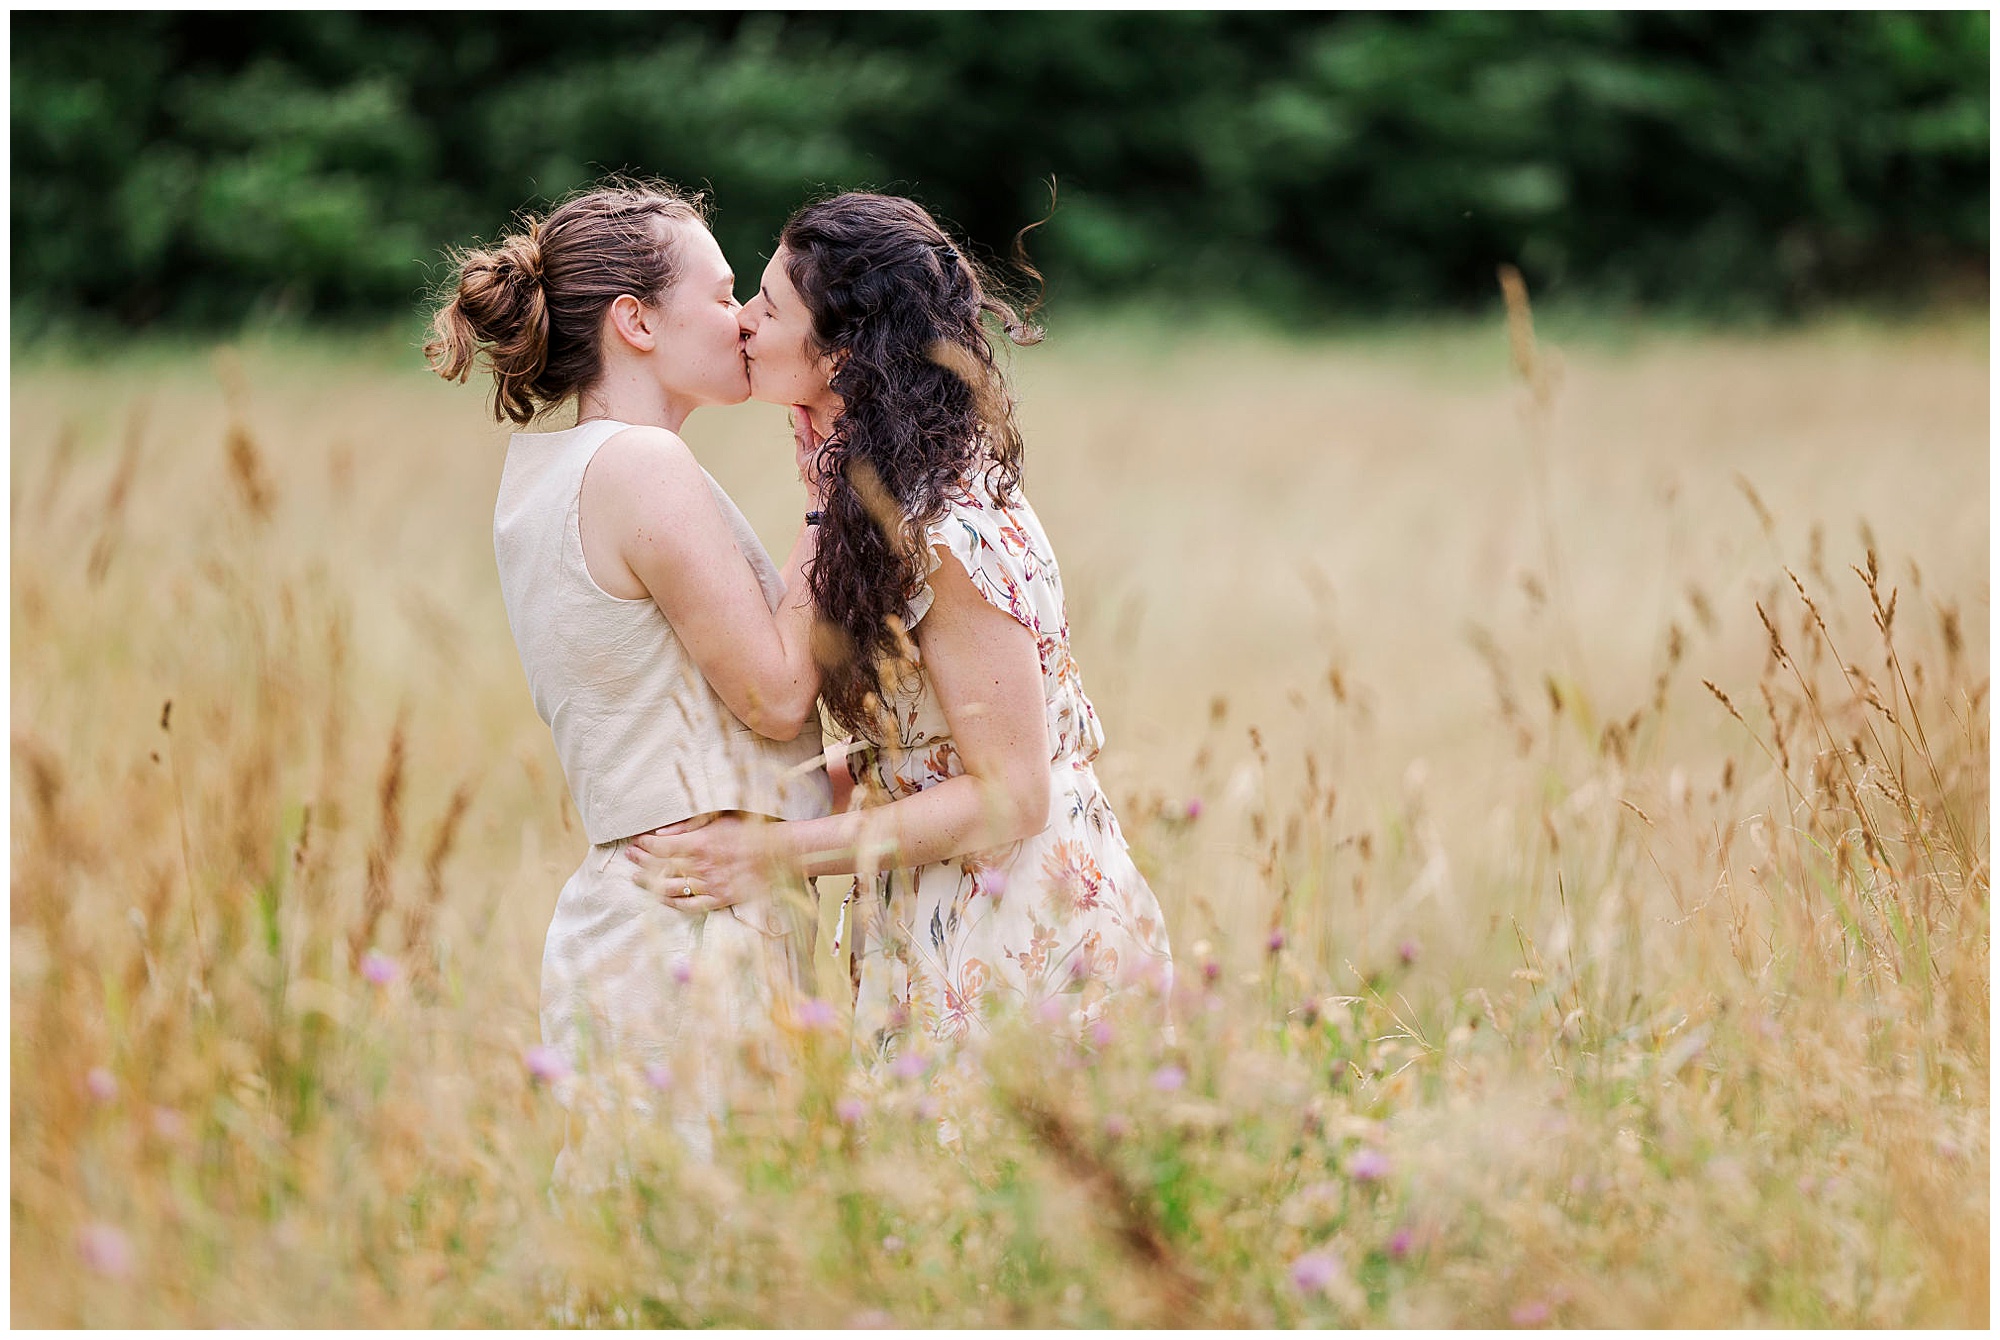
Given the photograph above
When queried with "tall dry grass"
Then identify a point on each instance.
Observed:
(1566, 783)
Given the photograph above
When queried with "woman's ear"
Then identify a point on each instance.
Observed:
(633, 323)
(830, 365)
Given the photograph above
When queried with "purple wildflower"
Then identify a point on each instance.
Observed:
(1193, 808)
(379, 968)
(1101, 1033)
(1052, 1010)
(1408, 952)
(169, 1124)
(816, 1014)
(1169, 1078)
(1116, 1127)
(659, 1076)
(892, 1244)
(1399, 1243)
(101, 1084)
(849, 1110)
(909, 1064)
(1158, 977)
(545, 1064)
(1368, 1165)
(105, 1250)
(1312, 1272)
(993, 883)
(1534, 1312)
(1211, 971)
(683, 971)
(1276, 942)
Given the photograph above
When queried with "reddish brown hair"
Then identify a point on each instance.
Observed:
(534, 301)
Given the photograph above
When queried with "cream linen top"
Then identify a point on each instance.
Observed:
(644, 739)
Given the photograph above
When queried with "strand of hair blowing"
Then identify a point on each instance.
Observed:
(924, 409)
(534, 302)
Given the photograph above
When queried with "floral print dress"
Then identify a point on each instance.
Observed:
(1054, 922)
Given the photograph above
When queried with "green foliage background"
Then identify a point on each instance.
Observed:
(198, 168)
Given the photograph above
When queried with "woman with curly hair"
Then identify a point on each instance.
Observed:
(992, 866)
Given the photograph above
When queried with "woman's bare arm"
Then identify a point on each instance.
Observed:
(987, 675)
(652, 528)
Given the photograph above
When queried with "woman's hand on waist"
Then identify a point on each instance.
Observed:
(722, 862)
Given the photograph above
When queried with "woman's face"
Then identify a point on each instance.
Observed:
(785, 369)
(699, 355)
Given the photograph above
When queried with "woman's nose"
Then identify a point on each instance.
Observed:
(746, 322)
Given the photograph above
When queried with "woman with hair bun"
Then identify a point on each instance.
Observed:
(667, 653)
(995, 869)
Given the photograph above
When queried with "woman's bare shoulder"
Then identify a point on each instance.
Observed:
(643, 465)
(642, 447)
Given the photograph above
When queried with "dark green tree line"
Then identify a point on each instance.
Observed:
(196, 167)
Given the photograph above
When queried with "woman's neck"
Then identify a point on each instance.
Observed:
(633, 399)
(821, 416)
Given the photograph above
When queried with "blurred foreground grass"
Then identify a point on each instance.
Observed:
(1526, 978)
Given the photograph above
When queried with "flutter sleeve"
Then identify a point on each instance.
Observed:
(997, 549)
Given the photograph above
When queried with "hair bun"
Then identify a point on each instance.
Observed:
(523, 253)
(501, 306)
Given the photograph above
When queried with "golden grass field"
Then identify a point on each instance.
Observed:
(1594, 999)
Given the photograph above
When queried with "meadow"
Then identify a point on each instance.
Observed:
(1564, 767)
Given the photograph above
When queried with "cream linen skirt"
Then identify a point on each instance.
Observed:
(661, 1014)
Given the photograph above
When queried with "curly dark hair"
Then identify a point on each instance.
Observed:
(924, 409)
